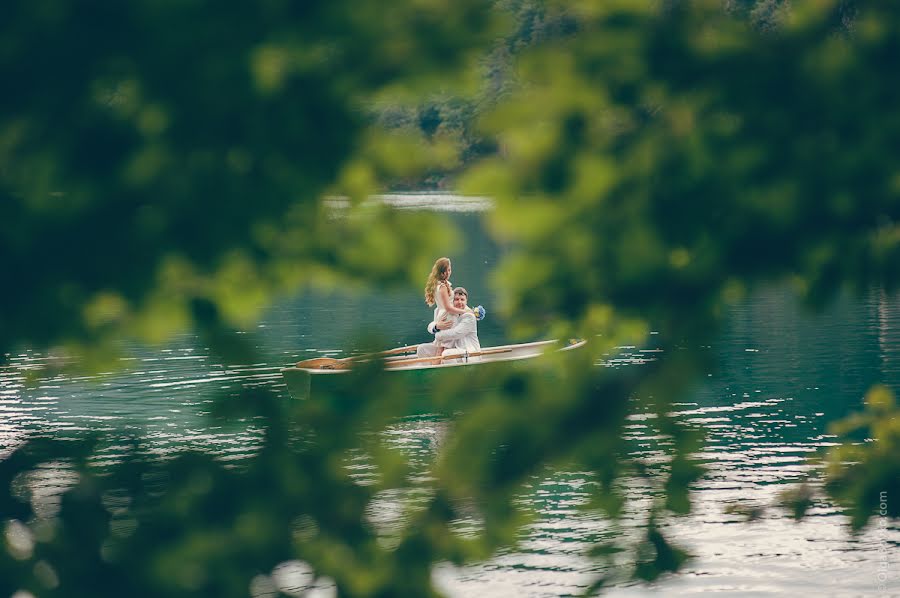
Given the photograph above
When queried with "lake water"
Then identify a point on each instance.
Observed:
(785, 374)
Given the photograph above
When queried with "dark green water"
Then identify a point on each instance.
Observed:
(784, 375)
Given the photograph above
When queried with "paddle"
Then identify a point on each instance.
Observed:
(448, 354)
(332, 363)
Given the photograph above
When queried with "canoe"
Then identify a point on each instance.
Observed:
(305, 377)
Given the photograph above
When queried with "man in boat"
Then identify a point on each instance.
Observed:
(454, 332)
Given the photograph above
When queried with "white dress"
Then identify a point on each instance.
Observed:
(434, 348)
(439, 312)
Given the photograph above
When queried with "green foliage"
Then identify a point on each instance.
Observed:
(191, 525)
(657, 555)
(863, 476)
(452, 114)
(862, 472)
(660, 164)
(683, 157)
(161, 166)
(150, 148)
(797, 499)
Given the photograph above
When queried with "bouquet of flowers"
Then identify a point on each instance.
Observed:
(479, 312)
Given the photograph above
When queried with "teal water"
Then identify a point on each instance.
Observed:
(784, 375)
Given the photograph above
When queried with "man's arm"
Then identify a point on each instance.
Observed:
(465, 325)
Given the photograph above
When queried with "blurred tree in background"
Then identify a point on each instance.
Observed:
(162, 165)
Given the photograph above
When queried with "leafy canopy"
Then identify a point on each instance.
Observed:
(161, 165)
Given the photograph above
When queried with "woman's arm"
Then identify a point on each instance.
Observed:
(445, 301)
(465, 326)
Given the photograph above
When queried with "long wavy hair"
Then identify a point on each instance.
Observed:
(439, 273)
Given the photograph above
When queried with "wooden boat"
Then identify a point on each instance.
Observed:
(304, 377)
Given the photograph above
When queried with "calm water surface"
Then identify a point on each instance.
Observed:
(784, 375)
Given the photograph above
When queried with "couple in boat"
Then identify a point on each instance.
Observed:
(455, 323)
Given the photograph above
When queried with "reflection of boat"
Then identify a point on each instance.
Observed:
(302, 378)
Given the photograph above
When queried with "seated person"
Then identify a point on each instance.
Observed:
(454, 332)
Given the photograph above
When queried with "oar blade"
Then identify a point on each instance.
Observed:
(321, 363)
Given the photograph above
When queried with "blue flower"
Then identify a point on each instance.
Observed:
(479, 313)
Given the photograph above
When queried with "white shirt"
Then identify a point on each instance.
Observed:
(462, 335)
